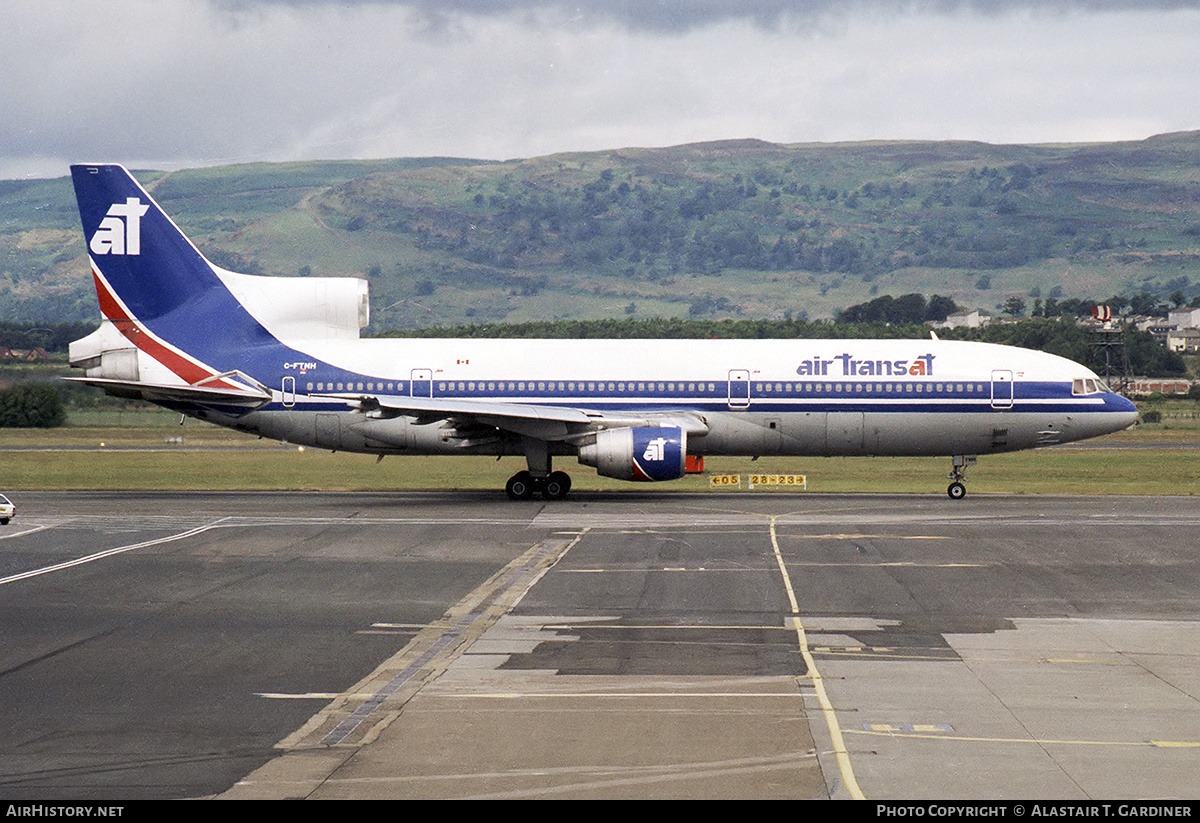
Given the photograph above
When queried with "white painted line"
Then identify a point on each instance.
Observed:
(827, 710)
(31, 530)
(107, 553)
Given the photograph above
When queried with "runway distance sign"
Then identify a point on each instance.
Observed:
(734, 481)
(794, 480)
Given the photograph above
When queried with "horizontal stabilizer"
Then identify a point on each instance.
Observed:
(248, 399)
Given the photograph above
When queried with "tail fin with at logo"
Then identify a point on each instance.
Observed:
(177, 326)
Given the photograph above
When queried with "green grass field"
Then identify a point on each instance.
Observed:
(141, 450)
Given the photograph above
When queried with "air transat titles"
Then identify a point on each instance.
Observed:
(851, 367)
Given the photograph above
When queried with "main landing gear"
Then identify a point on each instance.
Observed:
(957, 489)
(538, 479)
(523, 485)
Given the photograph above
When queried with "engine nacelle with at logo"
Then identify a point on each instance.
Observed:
(639, 453)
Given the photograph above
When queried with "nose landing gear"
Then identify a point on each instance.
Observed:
(957, 489)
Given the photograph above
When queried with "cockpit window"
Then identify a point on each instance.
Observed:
(1088, 385)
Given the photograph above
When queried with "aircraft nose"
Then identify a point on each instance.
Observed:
(1125, 413)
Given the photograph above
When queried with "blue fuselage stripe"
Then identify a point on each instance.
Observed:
(1044, 397)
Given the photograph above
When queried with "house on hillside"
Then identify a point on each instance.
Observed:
(1156, 327)
(1184, 340)
(24, 355)
(1184, 318)
(970, 319)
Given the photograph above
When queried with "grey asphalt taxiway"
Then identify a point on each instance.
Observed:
(632, 645)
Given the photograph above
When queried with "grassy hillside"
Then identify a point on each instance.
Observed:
(731, 229)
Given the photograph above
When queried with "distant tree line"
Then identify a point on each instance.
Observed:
(666, 328)
(908, 308)
(31, 405)
(1142, 304)
(1065, 338)
(53, 337)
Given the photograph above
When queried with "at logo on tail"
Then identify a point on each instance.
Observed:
(117, 235)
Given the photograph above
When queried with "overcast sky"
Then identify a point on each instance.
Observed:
(173, 83)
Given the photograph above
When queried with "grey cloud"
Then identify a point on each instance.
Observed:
(677, 16)
(180, 82)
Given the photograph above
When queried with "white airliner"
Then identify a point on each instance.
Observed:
(282, 358)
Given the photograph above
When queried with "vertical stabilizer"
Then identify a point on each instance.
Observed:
(148, 263)
(155, 286)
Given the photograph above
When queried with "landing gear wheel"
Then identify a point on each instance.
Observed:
(520, 486)
(958, 475)
(556, 486)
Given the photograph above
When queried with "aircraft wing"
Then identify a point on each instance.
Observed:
(541, 422)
